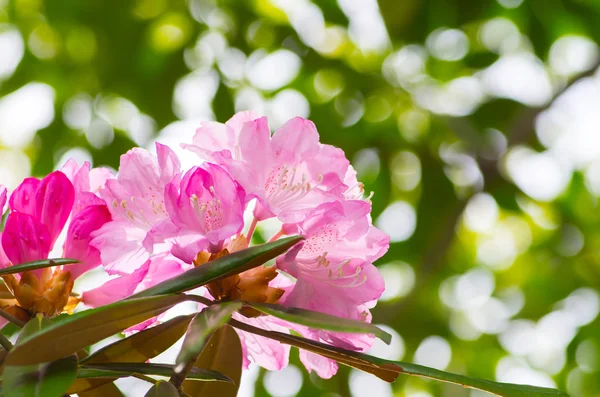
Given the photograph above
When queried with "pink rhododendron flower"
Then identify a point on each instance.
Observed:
(334, 272)
(162, 221)
(205, 209)
(136, 202)
(39, 210)
(288, 172)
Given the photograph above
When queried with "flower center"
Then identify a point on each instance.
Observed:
(48, 295)
(250, 286)
(208, 211)
(287, 184)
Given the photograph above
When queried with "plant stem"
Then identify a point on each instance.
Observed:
(5, 342)
(11, 318)
(276, 236)
(144, 377)
(179, 376)
(251, 229)
(200, 299)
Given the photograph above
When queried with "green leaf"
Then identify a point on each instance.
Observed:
(204, 324)
(156, 369)
(225, 266)
(143, 345)
(37, 265)
(93, 373)
(32, 327)
(138, 347)
(163, 389)
(389, 370)
(82, 329)
(223, 353)
(322, 321)
(41, 380)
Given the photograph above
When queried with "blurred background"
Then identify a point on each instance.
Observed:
(476, 124)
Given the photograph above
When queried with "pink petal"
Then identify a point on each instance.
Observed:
(136, 196)
(265, 352)
(255, 143)
(296, 140)
(54, 200)
(168, 163)
(115, 289)
(323, 366)
(4, 261)
(98, 177)
(24, 239)
(120, 246)
(331, 162)
(186, 248)
(2, 199)
(237, 121)
(84, 200)
(23, 198)
(87, 182)
(161, 268)
(77, 244)
(212, 137)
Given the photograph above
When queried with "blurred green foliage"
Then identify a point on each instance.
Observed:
(406, 89)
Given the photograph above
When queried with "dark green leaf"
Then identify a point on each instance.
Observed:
(389, 370)
(157, 369)
(322, 321)
(32, 327)
(138, 347)
(225, 266)
(163, 389)
(204, 324)
(87, 327)
(143, 345)
(92, 373)
(37, 265)
(223, 353)
(41, 380)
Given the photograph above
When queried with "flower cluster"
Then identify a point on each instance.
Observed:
(154, 220)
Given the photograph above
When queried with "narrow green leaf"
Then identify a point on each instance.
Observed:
(223, 353)
(37, 265)
(41, 380)
(163, 389)
(202, 326)
(138, 347)
(143, 345)
(82, 329)
(322, 321)
(389, 370)
(157, 369)
(225, 266)
(93, 373)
